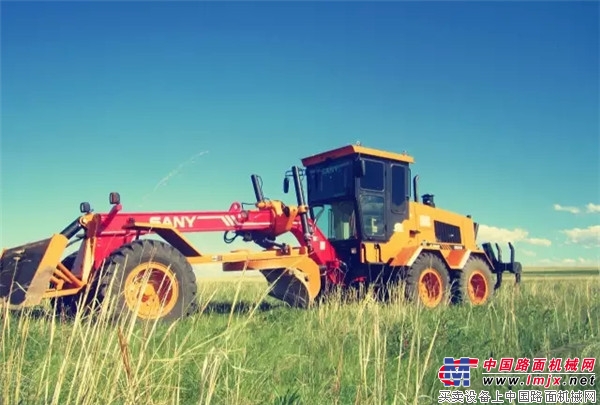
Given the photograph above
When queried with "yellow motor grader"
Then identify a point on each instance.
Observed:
(360, 222)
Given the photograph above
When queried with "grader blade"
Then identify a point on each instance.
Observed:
(25, 271)
(294, 280)
(298, 283)
(289, 285)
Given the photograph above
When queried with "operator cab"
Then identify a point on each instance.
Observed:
(357, 193)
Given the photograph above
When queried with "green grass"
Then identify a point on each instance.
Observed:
(261, 352)
(537, 272)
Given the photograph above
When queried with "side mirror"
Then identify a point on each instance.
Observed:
(114, 198)
(359, 168)
(85, 207)
(286, 184)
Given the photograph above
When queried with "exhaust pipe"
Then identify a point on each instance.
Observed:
(415, 191)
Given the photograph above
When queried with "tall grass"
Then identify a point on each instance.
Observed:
(247, 349)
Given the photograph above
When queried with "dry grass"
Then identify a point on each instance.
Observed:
(245, 348)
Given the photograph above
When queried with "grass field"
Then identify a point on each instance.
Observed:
(540, 272)
(247, 349)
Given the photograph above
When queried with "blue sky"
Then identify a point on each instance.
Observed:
(498, 102)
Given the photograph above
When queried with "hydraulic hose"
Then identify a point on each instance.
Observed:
(258, 193)
(301, 202)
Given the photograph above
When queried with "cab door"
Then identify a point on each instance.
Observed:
(371, 200)
(398, 196)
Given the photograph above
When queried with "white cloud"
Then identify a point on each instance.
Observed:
(579, 262)
(503, 235)
(592, 208)
(528, 253)
(572, 210)
(587, 237)
(538, 241)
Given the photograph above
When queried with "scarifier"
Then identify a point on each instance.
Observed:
(361, 197)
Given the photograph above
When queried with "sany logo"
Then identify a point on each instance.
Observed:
(183, 221)
(457, 372)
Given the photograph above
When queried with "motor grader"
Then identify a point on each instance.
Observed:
(356, 225)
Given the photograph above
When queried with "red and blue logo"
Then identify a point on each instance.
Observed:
(457, 372)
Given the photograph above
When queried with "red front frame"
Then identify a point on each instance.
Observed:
(113, 231)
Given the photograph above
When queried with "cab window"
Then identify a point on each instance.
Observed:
(374, 176)
(399, 192)
(372, 209)
(337, 220)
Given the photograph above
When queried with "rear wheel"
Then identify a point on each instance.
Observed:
(149, 279)
(474, 283)
(428, 281)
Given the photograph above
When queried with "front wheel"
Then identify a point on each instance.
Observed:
(149, 279)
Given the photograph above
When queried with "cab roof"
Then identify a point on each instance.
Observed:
(349, 150)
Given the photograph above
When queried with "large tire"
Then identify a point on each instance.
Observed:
(169, 292)
(474, 283)
(428, 281)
